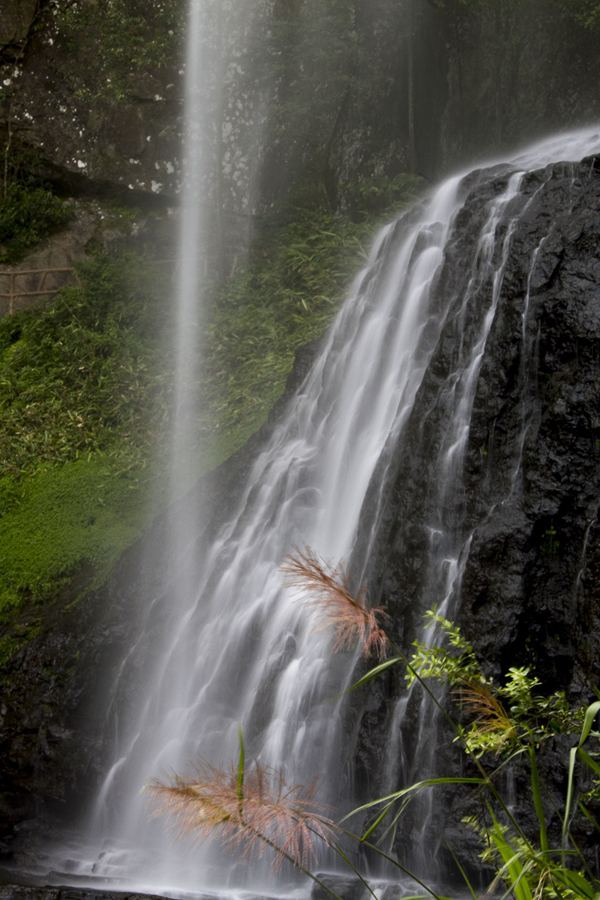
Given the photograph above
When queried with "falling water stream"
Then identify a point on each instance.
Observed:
(236, 647)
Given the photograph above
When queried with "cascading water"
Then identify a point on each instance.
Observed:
(236, 647)
(243, 650)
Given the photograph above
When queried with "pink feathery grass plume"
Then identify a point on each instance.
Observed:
(328, 590)
(256, 812)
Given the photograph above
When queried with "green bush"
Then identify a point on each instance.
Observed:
(27, 216)
(83, 398)
(134, 38)
(80, 375)
(287, 295)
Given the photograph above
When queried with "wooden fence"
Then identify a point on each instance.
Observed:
(25, 283)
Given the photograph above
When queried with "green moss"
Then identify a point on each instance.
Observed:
(79, 516)
(27, 216)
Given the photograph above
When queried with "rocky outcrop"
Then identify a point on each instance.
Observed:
(21, 892)
(530, 487)
(319, 98)
(519, 518)
(17, 21)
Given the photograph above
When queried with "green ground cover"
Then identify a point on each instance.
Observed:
(84, 398)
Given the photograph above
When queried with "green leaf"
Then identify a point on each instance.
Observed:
(576, 881)
(462, 871)
(537, 798)
(377, 670)
(590, 714)
(367, 834)
(418, 786)
(589, 761)
(513, 870)
(570, 793)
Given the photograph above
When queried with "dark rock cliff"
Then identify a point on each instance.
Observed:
(323, 96)
(529, 587)
(522, 512)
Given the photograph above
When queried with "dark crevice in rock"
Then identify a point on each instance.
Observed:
(67, 183)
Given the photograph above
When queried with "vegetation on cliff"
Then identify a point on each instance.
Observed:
(85, 393)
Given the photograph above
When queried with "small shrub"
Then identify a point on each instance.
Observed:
(27, 216)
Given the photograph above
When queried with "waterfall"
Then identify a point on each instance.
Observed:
(230, 643)
(240, 649)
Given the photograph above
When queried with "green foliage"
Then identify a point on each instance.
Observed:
(135, 38)
(286, 297)
(503, 722)
(28, 214)
(370, 196)
(79, 376)
(509, 716)
(60, 535)
(83, 397)
(456, 665)
(65, 522)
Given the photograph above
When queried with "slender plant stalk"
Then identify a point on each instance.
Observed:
(537, 797)
(395, 862)
(297, 865)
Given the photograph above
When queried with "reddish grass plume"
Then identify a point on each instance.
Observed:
(261, 813)
(327, 588)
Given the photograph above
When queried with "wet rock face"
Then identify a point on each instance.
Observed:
(47, 744)
(75, 95)
(523, 508)
(20, 892)
(531, 596)
(530, 484)
(16, 22)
